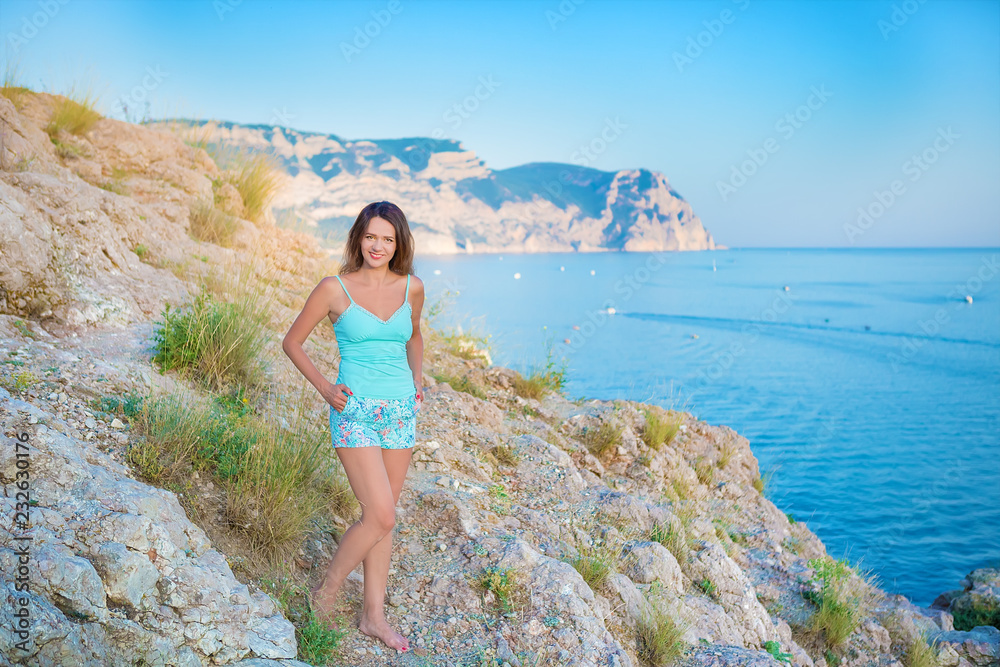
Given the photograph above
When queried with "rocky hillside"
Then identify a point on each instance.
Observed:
(531, 530)
(456, 203)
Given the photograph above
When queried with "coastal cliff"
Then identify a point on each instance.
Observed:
(533, 529)
(457, 204)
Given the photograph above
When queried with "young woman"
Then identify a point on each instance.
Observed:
(375, 306)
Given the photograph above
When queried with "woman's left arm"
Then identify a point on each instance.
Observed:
(415, 346)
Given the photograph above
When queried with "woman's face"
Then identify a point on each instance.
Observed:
(378, 245)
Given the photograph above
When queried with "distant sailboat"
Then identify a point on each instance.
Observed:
(713, 265)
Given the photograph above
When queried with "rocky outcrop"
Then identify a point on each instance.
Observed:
(94, 229)
(118, 572)
(457, 204)
(972, 608)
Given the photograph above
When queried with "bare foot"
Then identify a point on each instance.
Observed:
(380, 629)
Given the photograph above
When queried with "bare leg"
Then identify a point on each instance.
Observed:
(373, 623)
(367, 476)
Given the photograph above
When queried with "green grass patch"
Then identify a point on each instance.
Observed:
(792, 544)
(128, 405)
(21, 382)
(660, 428)
(218, 342)
(66, 151)
(704, 470)
(462, 383)
(23, 329)
(540, 381)
(505, 455)
(276, 480)
(503, 584)
(211, 225)
(597, 561)
(256, 176)
(467, 346)
(659, 636)
(317, 642)
(75, 113)
(534, 385)
(603, 439)
(671, 538)
(727, 452)
(920, 653)
(844, 600)
(970, 613)
(774, 648)
(500, 501)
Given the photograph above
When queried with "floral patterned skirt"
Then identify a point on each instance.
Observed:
(389, 423)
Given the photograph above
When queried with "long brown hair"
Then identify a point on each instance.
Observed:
(402, 259)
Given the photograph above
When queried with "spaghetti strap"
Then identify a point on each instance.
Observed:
(345, 289)
(406, 297)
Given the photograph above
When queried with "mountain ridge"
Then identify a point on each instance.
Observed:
(457, 203)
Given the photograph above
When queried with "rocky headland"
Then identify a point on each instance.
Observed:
(533, 529)
(456, 203)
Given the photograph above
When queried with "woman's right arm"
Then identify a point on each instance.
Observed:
(318, 306)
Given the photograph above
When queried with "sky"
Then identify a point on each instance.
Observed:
(783, 123)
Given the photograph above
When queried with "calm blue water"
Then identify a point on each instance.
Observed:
(870, 387)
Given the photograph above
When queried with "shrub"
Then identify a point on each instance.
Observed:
(774, 648)
(220, 342)
(534, 386)
(659, 636)
(211, 225)
(276, 480)
(969, 613)
(467, 346)
(597, 561)
(317, 642)
(704, 470)
(601, 439)
(660, 428)
(66, 151)
(499, 499)
(128, 405)
(339, 496)
(279, 488)
(74, 113)
(505, 455)
(539, 381)
(10, 86)
(844, 599)
(502, 582)
(672, 539)
(920, 653)
(173, 430)
(256, 176)
(462, 383)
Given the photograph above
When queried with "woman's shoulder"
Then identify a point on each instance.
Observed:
(416, 283)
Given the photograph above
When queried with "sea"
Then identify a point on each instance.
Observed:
(867, 381)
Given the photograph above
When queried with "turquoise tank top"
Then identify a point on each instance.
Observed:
(373, 351)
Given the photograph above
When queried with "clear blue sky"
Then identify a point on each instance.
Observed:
(894, 87)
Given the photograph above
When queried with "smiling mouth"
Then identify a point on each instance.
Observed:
(375, 255)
